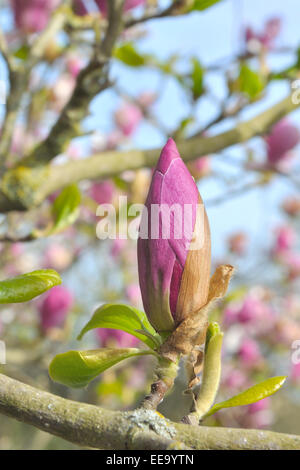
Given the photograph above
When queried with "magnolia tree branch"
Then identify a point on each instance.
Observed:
(89, 425)
(24, 188)
(91, 81)
(19, 78)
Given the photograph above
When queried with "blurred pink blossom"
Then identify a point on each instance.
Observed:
(260, 405)
(55, 307)
(57, 257)
(292, 260)
(283, 137)
(117, 247)
(102, 192)
(127, 118)
(62, 91)
(266, 38)
(147, 98)
(292, 206)
(238, 243)
(295, 373)
(133, 294)
(249, 353)
(285, 240)
(74, 65)
(32, 15)
(108, 337)
(200, 167)
(254, 309)
(234, 379)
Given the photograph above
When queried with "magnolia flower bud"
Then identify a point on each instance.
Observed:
(174, 255)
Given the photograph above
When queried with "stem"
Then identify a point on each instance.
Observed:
(166, 373)
(211, 376)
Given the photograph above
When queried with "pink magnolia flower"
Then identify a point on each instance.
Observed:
(238, 242)
(32, 15)
(108, 337)
(249, 353)
(102, 192)
(128, 118)
(55, 307)
(283, 137)
(163, 260)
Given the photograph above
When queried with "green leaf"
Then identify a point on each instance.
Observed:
(28, 286)
(197, 78)
(203, 4)
(77, 368)
(250, 82)
(129, 56)
(22, 53)
(126, 318)
(66, 208)
(251, 395)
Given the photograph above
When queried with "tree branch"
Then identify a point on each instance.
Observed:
(90, 82)
(89, 425)
(24, 188)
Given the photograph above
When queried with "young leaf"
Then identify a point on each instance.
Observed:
(66, 208)
(251, 395)
(197, 78)
(203, 4)
(78, 368)
(123, 317)
(28, 286)
(250, 82)
(129, 56)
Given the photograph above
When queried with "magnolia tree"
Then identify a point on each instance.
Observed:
(93, 222)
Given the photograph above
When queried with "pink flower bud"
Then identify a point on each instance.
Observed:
(127, 118)
(121, 339)
(283, 137)
(55, 307)
(174, 279)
